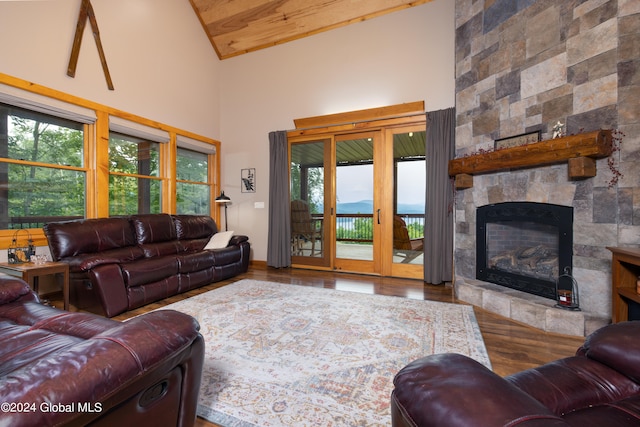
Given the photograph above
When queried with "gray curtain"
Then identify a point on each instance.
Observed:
(438, 230)
(279, 246)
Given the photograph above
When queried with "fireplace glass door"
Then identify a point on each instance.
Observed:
(524, 245)
(524, 248)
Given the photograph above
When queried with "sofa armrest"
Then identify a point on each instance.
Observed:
(96, 370)
(237, 239)
(454, 390)
(86, 262)
(617, 346)
(574, 383)
(110, 288)
(15, 289)
(151, 337)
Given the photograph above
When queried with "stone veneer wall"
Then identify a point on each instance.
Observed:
(524, 65)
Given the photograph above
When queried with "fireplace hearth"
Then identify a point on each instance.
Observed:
(524, 245)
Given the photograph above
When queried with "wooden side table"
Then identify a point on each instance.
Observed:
(30, 273)
(625, 270)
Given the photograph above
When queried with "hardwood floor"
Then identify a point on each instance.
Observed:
(512, 347)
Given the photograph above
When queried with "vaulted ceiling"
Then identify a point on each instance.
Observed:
(235, 27)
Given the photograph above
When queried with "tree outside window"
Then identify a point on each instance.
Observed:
(192, 188)
(134, 183)
(42, 176)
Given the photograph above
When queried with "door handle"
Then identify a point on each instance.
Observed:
(378, 216)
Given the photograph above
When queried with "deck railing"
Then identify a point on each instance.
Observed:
(347, 231)
(19, 222)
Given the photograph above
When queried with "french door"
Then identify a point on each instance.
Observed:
(357, 201)
(404, 256)
(310, 192)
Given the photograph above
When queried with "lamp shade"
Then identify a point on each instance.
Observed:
(223, 198)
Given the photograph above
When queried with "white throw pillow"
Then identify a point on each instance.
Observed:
(219, 240)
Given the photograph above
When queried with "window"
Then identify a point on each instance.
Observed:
(192, 188)
(135, 186)
(64, 157)
(42, 174)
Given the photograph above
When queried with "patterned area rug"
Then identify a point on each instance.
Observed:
(288, 355)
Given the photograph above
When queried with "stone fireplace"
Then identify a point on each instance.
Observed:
(480, 281)
(521, 67)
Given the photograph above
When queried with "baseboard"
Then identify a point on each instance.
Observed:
(258, 264)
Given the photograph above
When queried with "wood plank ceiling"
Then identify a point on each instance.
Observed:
(235, 27)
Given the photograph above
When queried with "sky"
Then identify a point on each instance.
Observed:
(355, 183)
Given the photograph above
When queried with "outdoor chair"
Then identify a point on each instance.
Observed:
(304, 228)
(403, 245)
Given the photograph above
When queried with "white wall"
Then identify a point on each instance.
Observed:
(164, 68)
(162, 65)
(401, 57)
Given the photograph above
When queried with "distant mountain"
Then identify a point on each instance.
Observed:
(362, 207)
(366, 207)
(410, 209)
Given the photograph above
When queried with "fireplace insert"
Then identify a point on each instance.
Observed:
(524, 245)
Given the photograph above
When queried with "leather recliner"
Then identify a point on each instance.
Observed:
(76, 369)
(598, 387)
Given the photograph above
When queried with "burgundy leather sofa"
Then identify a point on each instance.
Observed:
(598, 387)
(118, 264)
(59, 368)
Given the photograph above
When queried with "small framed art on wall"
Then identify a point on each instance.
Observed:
(248, 178)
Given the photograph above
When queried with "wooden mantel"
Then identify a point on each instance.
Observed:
(579, 150)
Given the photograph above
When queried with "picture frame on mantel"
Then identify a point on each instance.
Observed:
(518, 140)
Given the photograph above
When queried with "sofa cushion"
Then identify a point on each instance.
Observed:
(149, 270)
(29, 332)
(161, 249)
(192, 245)
(219, 240)
(24, 346)
(153, 228)
(72, 238)
(194, 226)
(195, 261)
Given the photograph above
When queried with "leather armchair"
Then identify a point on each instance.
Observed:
(599, 386)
